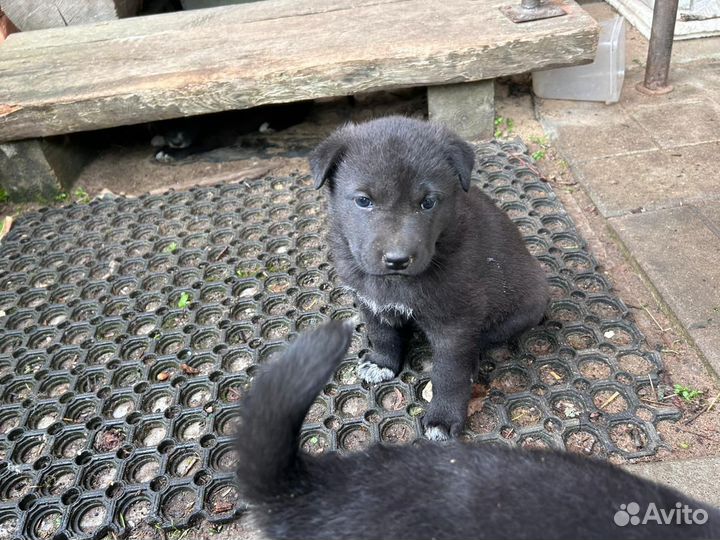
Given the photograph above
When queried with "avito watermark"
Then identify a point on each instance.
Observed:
(680, 514)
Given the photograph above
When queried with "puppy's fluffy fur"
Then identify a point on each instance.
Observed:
(455, 491)
(398, 186)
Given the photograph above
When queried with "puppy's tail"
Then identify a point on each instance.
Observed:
(273, 411)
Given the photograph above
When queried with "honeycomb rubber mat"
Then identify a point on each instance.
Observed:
(129, 329)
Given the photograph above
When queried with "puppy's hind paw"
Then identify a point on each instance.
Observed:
(443, 420)
(436, 433)
(373, 374)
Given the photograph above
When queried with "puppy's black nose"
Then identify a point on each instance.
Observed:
(396, 261)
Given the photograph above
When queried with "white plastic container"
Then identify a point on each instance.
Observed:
(600, 81)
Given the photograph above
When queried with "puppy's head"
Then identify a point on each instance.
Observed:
(393, 185)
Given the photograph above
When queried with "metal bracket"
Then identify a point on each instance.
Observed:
(532, 10)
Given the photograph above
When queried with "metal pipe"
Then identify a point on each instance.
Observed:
(660, 49)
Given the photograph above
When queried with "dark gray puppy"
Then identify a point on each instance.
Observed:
(455, 491)
(417, 244)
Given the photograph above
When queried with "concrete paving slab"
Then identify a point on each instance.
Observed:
(594, 131)
(708, 341)
(681, 256)
(692, 122)
(689, 83)
(651, 180)
(697, 477)
(711, 213)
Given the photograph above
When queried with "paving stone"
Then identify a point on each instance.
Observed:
(692, 122)
(696, 478)
(687, 83)
(711, 213)
(594, 131)
(681, 255)
(651, 180)
(708, 341)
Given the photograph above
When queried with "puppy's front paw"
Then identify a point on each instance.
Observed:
(443, 420)
(372, 370)
(436, 433)
(164, 157)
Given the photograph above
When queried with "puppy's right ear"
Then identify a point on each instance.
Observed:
(324, 160)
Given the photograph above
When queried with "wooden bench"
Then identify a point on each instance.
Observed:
(128, 71)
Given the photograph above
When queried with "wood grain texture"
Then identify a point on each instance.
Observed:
(235, 57)
(39, 14)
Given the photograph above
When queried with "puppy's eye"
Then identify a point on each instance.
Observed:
(363, 202)
(428, 203)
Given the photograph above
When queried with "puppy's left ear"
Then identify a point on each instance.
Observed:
(462, 158)
(326, 157)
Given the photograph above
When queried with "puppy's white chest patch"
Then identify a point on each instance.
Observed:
(383, 309)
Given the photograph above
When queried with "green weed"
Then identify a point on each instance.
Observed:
(687, 393)
(184, 300)
(504, 127)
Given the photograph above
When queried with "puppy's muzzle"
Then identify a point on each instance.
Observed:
(396, 261)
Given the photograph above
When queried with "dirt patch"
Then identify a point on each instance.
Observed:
(393, 400)
(534, 443)
(315, 444)
(222, 500)
(109, 440)
(397, 433)
(511, 382)
(552, 374)
(9, 527)
(482, 421)
(628, 437)
(525, 415)
(356, 439)
(353, 406)
(610, 401)
(583, 442)
(180, 504)
(101, 477)
(567, 408)
(595, 369)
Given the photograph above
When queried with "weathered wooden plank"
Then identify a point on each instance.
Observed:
(39, 14)
(175, 25)
(268, 52)
(204, 4)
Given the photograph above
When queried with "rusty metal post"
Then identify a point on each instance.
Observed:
(660, 49)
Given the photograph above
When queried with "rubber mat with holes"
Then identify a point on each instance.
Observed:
(131, 327)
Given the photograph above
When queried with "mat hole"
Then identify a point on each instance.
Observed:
(70, 496)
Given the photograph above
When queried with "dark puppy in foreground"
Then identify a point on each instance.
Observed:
(455, 491)
(417, 244)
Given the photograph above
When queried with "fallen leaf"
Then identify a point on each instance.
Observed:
(6, 225)
(479, 390)
(427, 392)
(475, 405)
(222, 507)
(189, 370)
(163, 376)
(397, 402)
